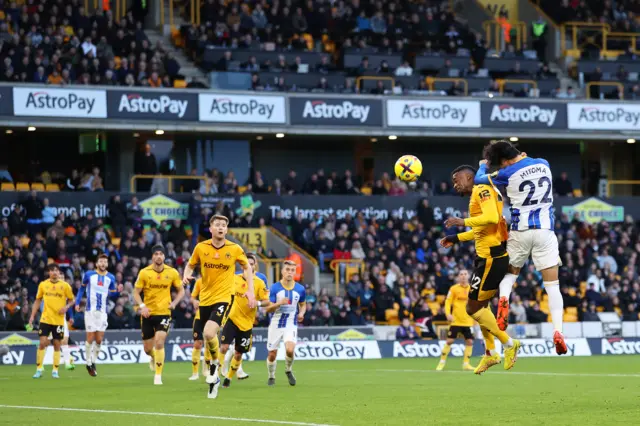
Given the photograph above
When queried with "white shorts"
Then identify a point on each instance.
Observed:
(95, 321)
(540, 244)
(277, 335)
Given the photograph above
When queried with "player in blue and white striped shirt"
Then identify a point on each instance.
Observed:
(288, 302)
(99, 286)
(529, 186)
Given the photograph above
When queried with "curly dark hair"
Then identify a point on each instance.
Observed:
(497, 151)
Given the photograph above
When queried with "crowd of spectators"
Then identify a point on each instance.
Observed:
(406, 271)
(57, 42)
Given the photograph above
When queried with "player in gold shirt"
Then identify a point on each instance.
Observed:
(217, 258)
(58, 298)
(459, 321)
(154, 283)
(239, 324)
(489, 231)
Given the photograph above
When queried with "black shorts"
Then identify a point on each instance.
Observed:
(456, 330)
(56, 331)
(487, 274)
(198, 328)
(243, 339)
(154, 323)
(216, 313)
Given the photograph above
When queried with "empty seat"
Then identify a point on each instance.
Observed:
(52, 187)
(23, 186)
(37, 186)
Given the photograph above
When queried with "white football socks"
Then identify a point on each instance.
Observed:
(271, 368)
(96, 353)
(87, 352)
(66, 354)
(556, 304)
(506, 285)
(288, 363)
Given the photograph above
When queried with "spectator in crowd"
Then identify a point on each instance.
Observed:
(406, 331)
(562, 186)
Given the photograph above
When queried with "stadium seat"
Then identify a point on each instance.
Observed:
(37, 186)
(600, 309)
(23, 186)
(52, 187)
(116, 242)
(391, 316)
(366, 190)
(434, 306)
(567, 317)
(577, 193)
(7, 186)
(583, 288)
(181, 84)
(242, 189)
(572, 310)
(544, 306)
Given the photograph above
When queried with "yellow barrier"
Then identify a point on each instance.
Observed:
(604, 83)
(294, 245)
(502, 83)
(495, 27)
(574, 27)
(169, 178)
(610, 183)
(352, 266)
(432, 80)
(250, 238)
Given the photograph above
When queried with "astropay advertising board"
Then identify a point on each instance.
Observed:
(326, 111)
(228, 108)
(152, 105)
(419, 113)
(524, 115)
(604, 116)
(46, 101)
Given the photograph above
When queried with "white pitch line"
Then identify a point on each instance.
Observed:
(143, 413)
(522, 373)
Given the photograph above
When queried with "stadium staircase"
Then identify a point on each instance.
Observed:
(187, 67)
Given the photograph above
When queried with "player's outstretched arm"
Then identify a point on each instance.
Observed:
(482, 177)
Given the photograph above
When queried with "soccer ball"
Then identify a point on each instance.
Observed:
(408, 168)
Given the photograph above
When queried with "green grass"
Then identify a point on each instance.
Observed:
(541, 391)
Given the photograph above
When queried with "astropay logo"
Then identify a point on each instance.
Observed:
(137, 103)
(530, 114)
(344, 110)
(418, 113)
(604, 116)
(241, 108)
(51, 102)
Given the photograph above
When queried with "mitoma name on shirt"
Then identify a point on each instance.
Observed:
(608, 115)
(216, 266)
(531, 114)
(225, 106)
(137, 103)
(344, 110)
(419, 111)
(43, 99)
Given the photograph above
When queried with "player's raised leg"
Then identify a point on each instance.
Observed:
(491, 356)
(506, 285)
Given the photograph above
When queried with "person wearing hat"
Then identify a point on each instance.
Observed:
(155, 281)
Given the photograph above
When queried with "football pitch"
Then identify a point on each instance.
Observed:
(598, 390)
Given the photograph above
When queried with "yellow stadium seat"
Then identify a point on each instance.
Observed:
(242, 189)
(23, 186)
(116, 242)
(583, 288)
(7, 186)
(391, 315)
(52, 187)
(434, 306)
(600, 309)
(577, 193)
(567, 317)
(180, 84)
(118, 61)
(37, 186)
(572, 310)
(544, 306)
(365, 190)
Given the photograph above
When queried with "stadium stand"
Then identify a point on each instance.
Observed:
(58, 43)
(406, 275)
(398, 44)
